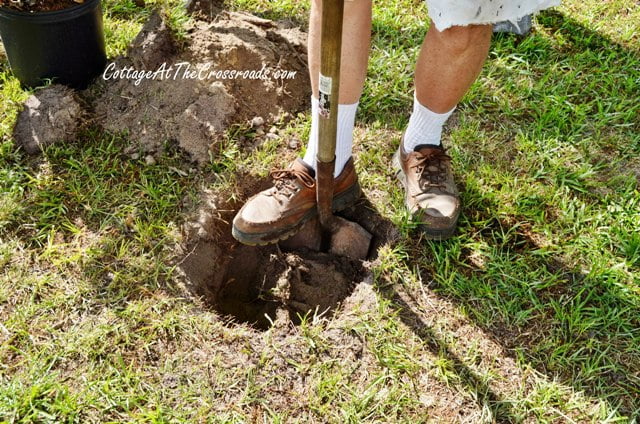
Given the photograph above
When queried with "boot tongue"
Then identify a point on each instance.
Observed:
(419, 147)
(301, 166)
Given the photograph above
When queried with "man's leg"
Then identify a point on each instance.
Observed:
(448, 63)
(356, 37)
(278, 212)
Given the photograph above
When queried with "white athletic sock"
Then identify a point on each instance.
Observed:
(312, 145)
(425, 126)
(344, 141)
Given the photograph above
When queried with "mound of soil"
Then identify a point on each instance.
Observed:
(187, 97)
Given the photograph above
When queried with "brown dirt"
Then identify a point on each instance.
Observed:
(194, 112)
(153, 45)
(49, 115)
(260, 280)
(39, 5)
(252, 283)
(205, 9)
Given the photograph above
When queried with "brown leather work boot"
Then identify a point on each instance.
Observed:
(430, 191)
(278, 212)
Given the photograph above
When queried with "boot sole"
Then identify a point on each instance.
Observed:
(430, 233)
(340, 202)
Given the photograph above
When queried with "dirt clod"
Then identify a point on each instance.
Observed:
(309, 237)
(257, 122)
(49, 115)
(350, 240)
(153, 44)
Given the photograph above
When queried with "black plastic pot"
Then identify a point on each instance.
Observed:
(66, 45)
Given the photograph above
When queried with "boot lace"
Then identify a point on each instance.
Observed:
(284, 182)
(431, 168)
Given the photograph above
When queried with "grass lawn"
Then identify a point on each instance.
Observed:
(531, 313)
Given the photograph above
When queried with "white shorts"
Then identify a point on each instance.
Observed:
(447, 13)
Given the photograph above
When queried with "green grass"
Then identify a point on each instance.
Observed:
(530, 314)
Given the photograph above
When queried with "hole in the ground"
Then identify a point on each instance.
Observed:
(249, 284)
(259, 280)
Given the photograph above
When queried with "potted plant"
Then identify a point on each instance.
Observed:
(62, 40)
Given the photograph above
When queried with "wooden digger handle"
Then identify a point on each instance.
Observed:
(329, 89)
(329, 81)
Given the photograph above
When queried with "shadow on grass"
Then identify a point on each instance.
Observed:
(567, 324)
(577, 324)
(469, 380)
(385, 233)
(581, 324)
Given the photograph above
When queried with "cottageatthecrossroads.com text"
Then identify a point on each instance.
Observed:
(186, 70)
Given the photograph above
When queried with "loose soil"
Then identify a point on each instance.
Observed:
(195, 111)
(248, 284)
(34, 6)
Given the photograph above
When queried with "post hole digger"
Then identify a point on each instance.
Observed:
(337, 234)
(299, 208)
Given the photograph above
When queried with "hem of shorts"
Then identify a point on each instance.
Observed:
(514, 20)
